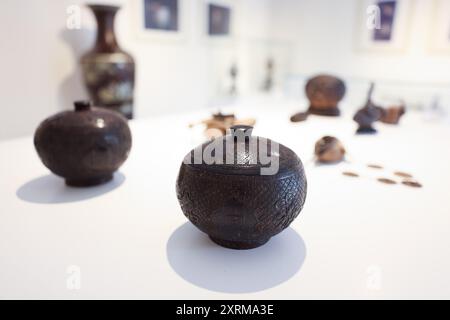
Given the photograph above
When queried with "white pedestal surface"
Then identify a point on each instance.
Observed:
(355, 238)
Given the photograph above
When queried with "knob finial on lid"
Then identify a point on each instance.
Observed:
(241, 130)
(82, 105)
(241, 127)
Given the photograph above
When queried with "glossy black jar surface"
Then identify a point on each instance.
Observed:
(84, 146)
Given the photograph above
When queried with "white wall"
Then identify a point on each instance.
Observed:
(39, 59)
(40, 73)
(325, 33)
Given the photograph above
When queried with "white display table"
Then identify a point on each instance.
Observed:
(355, 238)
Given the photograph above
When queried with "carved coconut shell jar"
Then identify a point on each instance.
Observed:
(324, 92)
(244, 199)
(84, 146)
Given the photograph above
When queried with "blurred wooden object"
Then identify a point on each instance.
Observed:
(392, 114)
(220, 123)
(324, 93)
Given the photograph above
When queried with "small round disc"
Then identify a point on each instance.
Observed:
(374, 166)
(386, 181)
(402, 174)
(300, 116)
(350, 174)
(411, 183)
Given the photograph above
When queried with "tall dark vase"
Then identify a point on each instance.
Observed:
(109, 71)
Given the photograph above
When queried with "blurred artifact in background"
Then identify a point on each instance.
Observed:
(324, 92)
(300, 116)
(268, 81)
(329, 150)
(84, 146)
(109, 71)
(392, 114)
(386, 181)
(219, 123)
(369, 114)
(233, 77)
(237, 203)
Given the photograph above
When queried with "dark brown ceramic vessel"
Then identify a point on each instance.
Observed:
(324, 93)
(234, 203)
(367, 115)
(108, 70)
(84, 146)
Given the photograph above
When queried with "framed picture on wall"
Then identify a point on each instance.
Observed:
(387, 11)
(219, 19)
(440, 27)
(383, 25)
(161, 19)
(161, 15)
(218, 16)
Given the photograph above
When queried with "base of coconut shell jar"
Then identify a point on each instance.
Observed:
(90, 182)
(240, 245)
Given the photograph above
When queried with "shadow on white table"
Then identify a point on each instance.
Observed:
(201, 262)
(50, 189)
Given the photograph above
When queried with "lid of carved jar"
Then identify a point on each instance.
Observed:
(240, 153)
(85, 115)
